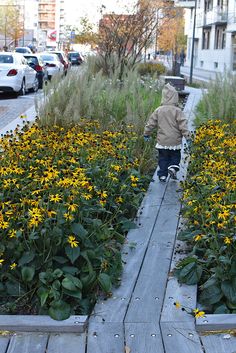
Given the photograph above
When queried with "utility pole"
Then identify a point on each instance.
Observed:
(193, 40)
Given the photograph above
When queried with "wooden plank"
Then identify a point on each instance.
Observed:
(114, 309)
(216, 322)
(28, 343)
(141, 338)
(219, 343)
(4, 341)
(172, 194)
(167, 220)
(182, 293)
(180, 338)
(105, 338)
(67, 343)
(42, 323)
(147, 298)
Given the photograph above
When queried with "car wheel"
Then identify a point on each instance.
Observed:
(35, 85)
(22, 90)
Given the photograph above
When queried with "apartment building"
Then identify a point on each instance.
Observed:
(214, 37)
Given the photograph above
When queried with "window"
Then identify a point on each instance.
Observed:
(201, 63)
(220, 37)
(206, 38)
(215, 65)
(208, 5)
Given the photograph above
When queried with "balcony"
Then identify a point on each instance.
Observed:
(185, 3)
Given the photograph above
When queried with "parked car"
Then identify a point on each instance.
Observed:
(36, 62)
(16, 76)
(23, 50)
(75, 58)
(63, 59)
(54, 66)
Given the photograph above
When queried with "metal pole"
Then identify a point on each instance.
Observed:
(193, 39)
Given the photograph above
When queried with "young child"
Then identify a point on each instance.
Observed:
(171, 126)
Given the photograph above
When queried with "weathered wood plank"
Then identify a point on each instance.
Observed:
(180, 338)
(67, 343)
(172, 194)
(215, 322)
(105, 338)
(167, 220)
(42, 323)
(114, 309)
(28, 343)
(219, 343)
(4, 341)
(142, 338)
(147, 298)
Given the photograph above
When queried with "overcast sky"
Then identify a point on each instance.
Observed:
(76, 9)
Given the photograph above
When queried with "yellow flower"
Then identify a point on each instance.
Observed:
(72, 241)
(134, 178)
(13, 266)
(198, 313)
(68, 216)
(177, 305)
(198, 237)
(227, 240)
(1, 261)
(55, 198)
(119, 199)
(12, 233)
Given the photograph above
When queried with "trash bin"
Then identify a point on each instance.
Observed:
(176, 81)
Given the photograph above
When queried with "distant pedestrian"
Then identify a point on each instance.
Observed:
(171, 125)
(182, 57)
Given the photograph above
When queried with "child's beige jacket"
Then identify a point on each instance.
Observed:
(169, 120)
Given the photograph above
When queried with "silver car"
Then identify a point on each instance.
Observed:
(54, 66)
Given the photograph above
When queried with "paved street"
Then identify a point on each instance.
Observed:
(11, 107)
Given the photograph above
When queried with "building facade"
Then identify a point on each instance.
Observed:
(214, 38)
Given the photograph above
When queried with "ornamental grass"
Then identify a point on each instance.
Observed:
(209, 200)
(68, 197)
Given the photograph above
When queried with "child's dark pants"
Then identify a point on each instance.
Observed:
(167, 158)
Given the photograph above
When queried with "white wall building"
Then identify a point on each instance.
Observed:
(214, 39)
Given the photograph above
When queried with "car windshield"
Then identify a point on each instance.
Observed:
(48, 57)
(32, 59)
(6, 59)
(74, 55)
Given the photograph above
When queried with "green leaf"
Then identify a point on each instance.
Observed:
(127, 225)
(60, 259)
(57, 273)
(229, 289)
(105, 282)
(70, 269)
(43, 295)
(72, 253)
(14, 289)
(56, 284)
(75, 294)
(79, 230)
(211, 295)
(68, 284)
(186, 235)
(59, 310)
(27, 273)
(88, 281)
(26, 258)
(190, 274)
(222, 309)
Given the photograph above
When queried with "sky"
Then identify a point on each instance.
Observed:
(76, 9)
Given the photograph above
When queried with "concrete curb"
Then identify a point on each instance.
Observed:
(29, 115)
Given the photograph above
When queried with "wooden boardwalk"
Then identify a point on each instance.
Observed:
(140, 317)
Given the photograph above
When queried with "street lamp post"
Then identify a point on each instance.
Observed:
(193, 40)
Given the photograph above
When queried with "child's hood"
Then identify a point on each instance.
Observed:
(169, 95)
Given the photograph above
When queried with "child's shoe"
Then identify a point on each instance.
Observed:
(172, 173)
(162, 178)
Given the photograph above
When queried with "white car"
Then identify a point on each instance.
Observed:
(16, 76)
(54, 66)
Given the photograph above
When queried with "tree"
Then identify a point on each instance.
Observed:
(86, 35)
(11, 22)
(126, 36)
(171, 36)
